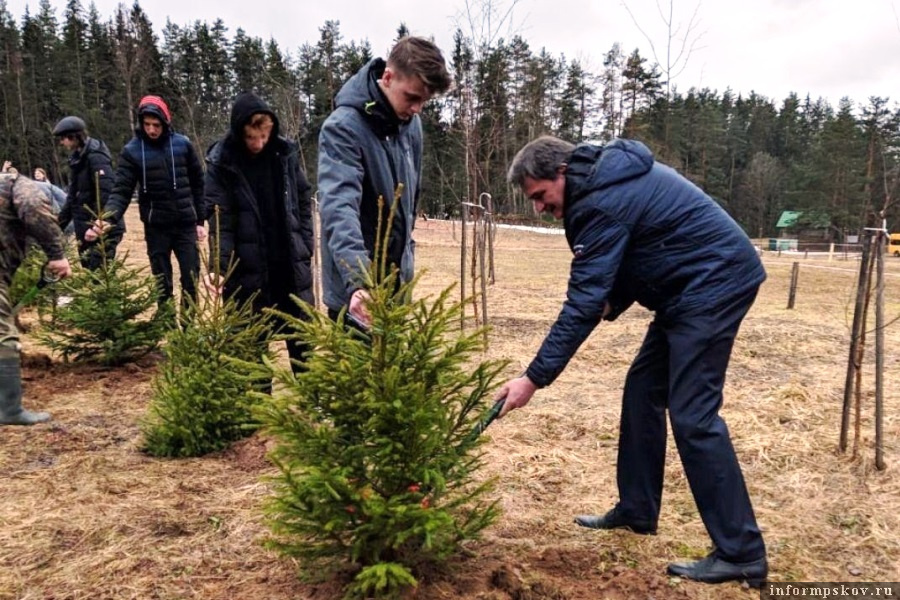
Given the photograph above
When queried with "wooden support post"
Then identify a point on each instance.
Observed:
(317, 254)
(855, 334)
(795, 275)
(482, 250)
(463, 211)
(476, 237)
(879, 350)
(487, 201)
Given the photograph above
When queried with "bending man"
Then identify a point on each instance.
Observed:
(24, 213)
(640, 232)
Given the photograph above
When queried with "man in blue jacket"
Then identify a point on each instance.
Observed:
(164, 167)
(370, 144)
(640, 232)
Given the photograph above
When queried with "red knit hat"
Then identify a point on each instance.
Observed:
(159, 103)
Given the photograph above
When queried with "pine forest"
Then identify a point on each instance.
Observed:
(756, 156)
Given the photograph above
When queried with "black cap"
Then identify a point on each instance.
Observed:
(69, 124)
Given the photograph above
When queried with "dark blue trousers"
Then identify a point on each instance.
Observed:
(681, 366)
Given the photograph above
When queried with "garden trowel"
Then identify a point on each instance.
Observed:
(47, 278)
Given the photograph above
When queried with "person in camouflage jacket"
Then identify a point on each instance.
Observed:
(24, 213)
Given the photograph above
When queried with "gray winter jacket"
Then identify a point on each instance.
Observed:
(365, 151)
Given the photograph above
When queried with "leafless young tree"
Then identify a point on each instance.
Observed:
(482, 22)
(680, 42)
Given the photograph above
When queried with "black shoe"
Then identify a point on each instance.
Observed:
(614, 520)
(713, 569)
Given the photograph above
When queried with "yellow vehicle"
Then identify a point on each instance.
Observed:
(894, 244)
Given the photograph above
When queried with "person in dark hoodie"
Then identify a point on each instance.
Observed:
(91, 178)
(370, 144)
(164, 167)
(264, 216)
(640, 232)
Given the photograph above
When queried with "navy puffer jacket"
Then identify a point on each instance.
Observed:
(640, 232)
(168, 176)
(241, 232)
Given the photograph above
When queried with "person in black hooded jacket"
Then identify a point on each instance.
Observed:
(264, 216)
(91, 177)
(164, 167)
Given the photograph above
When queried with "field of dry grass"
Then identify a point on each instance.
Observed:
(84, 514)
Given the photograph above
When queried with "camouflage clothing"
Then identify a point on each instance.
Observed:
(24, 212)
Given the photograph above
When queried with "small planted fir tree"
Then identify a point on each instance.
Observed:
(377, 464)
(204, 392)
(111, 316)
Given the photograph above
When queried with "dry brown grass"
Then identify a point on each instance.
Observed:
(83, 514)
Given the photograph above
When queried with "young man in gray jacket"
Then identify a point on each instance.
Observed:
(371, 143)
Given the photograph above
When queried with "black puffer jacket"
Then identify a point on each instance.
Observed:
(242, 233)
(168, 175)
(88, 166)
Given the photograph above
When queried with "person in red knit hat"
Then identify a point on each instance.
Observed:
(166, 170)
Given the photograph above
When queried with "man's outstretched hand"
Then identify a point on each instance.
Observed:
(60, 268)
(517, 392)
(358, 309)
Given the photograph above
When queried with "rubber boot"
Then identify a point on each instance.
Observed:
(11, 411)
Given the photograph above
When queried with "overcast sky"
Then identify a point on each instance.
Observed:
(827, 48)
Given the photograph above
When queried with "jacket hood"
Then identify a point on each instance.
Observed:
(223, 152)
(591, 168)
(156, 106)
(363, 93)
(90, 145)
(95, 145)
(247, 104)
(153, 106)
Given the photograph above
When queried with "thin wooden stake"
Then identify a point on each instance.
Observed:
(317, 252)
(879, 350)
(482, 242)
(488, 202)
(463, 210)
(860, 353)
(795, 275)
(855, 334)
(476, 234)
